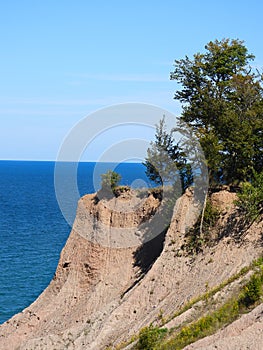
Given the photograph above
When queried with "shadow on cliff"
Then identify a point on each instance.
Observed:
(155, 232)
(236, 227)
(147, 253)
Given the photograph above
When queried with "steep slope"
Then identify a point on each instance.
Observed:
(176, 278)
(99, 297)
(244, 333)
(89, 280)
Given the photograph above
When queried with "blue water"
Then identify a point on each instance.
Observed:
(32, 229)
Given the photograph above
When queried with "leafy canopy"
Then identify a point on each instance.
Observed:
(222, 101)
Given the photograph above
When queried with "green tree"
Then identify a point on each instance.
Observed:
(222, 101)
(166, 162)
(110, 180)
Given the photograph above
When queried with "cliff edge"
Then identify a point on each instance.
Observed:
(106, 287)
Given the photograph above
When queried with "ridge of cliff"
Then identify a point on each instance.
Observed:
(102, 293)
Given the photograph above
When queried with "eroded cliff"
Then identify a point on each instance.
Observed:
(106, 287)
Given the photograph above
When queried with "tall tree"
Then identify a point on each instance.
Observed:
(222, 101)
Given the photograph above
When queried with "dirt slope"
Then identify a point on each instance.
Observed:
(98, 297)
(245, 333)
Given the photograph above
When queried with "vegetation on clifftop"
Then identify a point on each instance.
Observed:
(110, 180)
(222, 99)
(222, 104)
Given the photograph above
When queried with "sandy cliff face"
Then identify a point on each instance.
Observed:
(99, 295)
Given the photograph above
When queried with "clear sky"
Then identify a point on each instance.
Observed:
(61, 60)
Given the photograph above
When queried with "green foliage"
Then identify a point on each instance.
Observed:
(223, 102)
(149, 337)
(166, 162)
(110, 180)
(258, 262)
(159, 165)
(250, 197)
(205, 326)
(227, 313)
(211, 214)
(211, 322)
(252, 291)
(196, 237)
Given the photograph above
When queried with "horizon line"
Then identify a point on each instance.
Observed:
(66, 161)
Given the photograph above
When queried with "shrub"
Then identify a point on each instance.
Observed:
(250, 197)
(211, 215)
(110, 180)
(197, 237)
(252, 291)
(149, 337)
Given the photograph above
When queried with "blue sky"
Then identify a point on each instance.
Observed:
(63, 59)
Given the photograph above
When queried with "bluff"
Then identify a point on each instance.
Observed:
(106, 287)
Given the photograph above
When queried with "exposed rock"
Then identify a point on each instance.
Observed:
(223, 200)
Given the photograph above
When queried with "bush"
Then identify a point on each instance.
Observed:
(110, 180)
(197, 237)
(250, 197)
(149, 337)
(211, 215)
(252, 291)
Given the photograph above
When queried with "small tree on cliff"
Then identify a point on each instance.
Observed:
(166, 162)
(110, 180)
